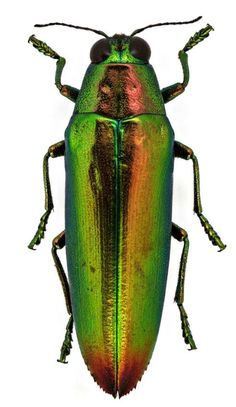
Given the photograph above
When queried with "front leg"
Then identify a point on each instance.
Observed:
(172, 91)
(186, 153)
(65, 90)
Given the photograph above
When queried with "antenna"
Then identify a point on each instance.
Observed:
(161, 24)
(74, 26)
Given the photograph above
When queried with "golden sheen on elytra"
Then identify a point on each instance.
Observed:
(119, 163)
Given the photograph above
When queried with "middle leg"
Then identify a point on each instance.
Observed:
(56, 150)
(186, 153)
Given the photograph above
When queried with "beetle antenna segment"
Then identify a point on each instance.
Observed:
(73, 26)
(160, 24)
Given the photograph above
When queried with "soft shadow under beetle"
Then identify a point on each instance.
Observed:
(119, 151)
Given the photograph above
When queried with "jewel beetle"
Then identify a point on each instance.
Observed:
(119, 152)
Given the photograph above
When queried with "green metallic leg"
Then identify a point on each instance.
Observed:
(170, 92)
(56, 150)
(186, 153)
(182, 236)
(59, 243)
(66, 90)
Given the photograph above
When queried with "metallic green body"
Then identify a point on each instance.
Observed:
(119, 149)
(118, 228)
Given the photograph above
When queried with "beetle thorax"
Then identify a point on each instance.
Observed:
(120, 93)
(120, 90)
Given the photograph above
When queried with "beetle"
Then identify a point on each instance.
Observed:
(119, 151)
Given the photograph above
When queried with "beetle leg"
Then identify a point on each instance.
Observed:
(59, 243)
(170, 92)
(66, 90)
(67, 343)
(186, 153)
(182, 236)
(56, 150)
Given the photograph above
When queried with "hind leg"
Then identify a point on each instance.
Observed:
(59, 243)
(182, 236)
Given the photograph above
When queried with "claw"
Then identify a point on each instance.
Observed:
(31, 37)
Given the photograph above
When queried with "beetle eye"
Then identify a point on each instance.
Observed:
(100, 51)
(139, 48)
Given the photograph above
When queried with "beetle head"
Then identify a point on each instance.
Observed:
(120, 49)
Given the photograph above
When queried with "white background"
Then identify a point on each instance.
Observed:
(34, 116)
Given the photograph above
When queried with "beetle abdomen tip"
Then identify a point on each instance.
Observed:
(120, 381)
